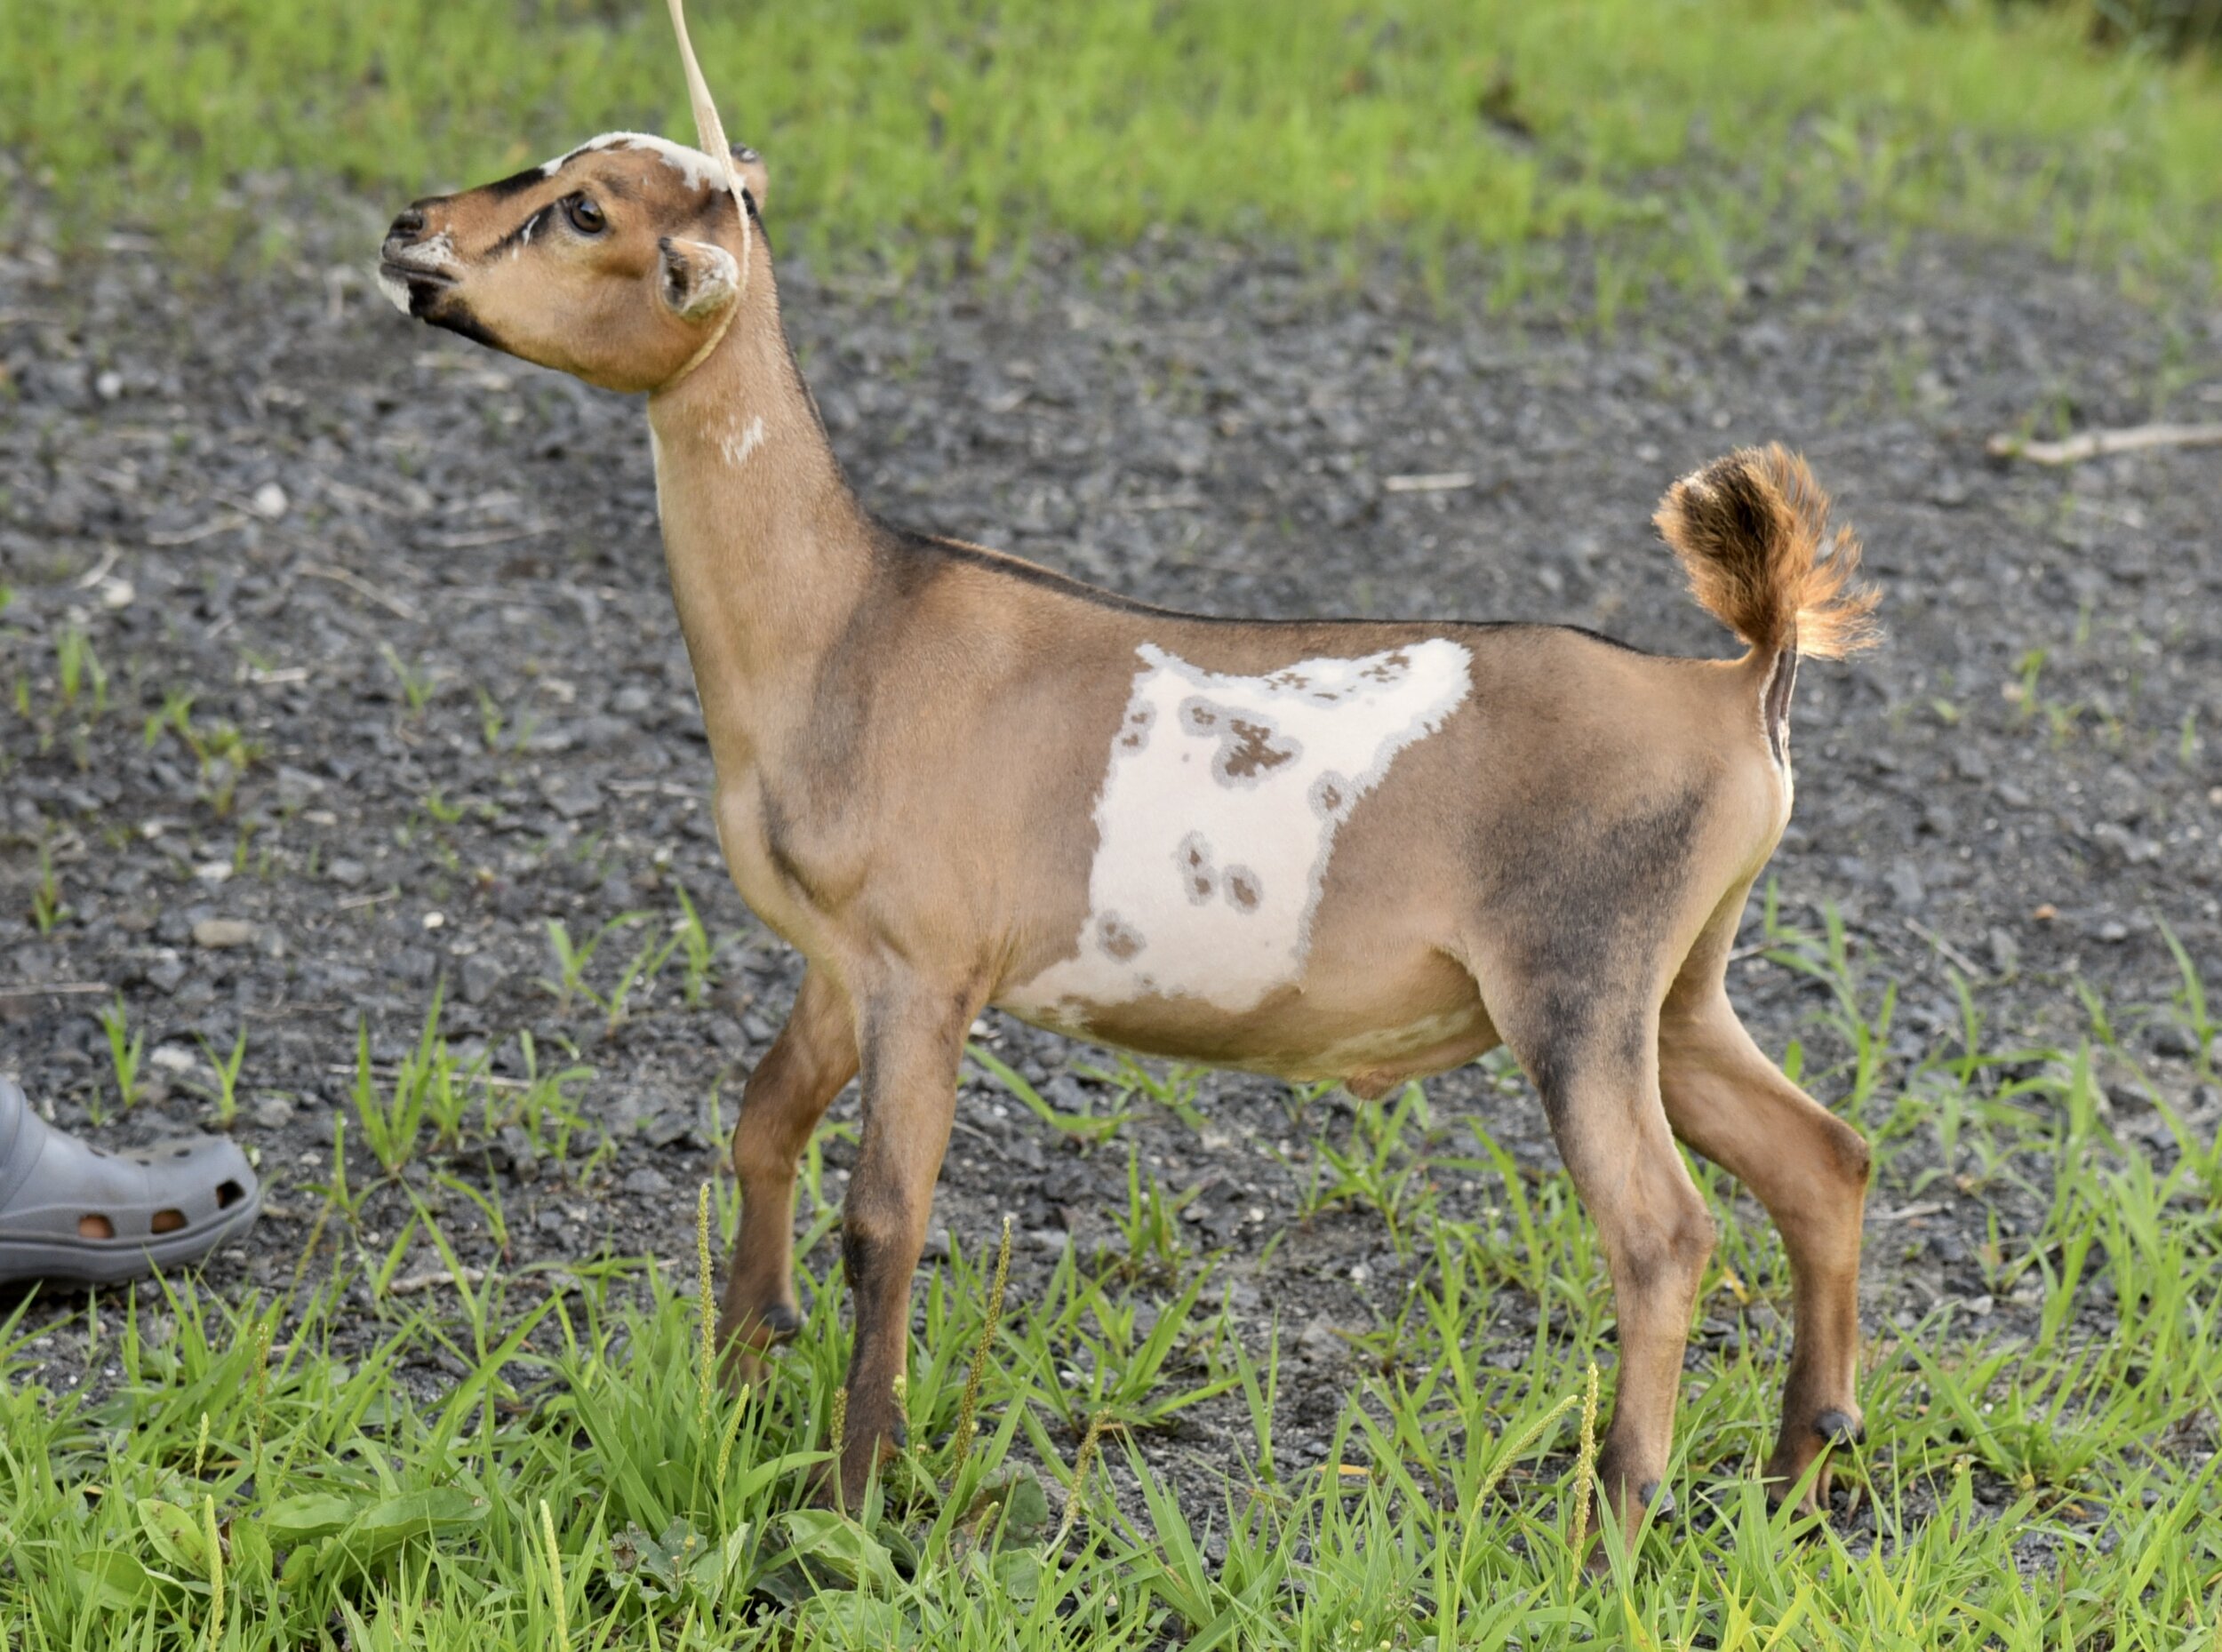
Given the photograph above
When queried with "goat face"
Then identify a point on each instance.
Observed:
(618, 262)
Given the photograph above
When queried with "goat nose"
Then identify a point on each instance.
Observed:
(408, 226)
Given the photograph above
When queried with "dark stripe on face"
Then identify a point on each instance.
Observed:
(456, 317)
(515, 183)
(530, 227)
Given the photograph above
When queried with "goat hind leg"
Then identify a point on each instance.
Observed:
(1599, 1090)
(1809, 1169)
(813, 1057)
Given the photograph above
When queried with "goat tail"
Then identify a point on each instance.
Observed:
(1752, 533)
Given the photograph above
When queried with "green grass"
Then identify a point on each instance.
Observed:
(1701, 137)
(529, 1457)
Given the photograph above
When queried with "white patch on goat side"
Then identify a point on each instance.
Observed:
(740, 442)
(698, 169)
(1217, 819)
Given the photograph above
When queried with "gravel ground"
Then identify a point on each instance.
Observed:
(424, 584)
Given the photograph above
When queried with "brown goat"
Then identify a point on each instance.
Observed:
(1352, 850)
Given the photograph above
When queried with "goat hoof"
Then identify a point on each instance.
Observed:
(1658, 1500)
(1838, 1428)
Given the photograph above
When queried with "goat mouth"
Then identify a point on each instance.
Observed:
(414, 274)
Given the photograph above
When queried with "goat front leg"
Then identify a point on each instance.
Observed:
(912, 1037)
(814, 1055)
(1810, 1168)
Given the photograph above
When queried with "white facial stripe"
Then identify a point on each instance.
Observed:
(1217, 819)
(698, 169)
(736, 446)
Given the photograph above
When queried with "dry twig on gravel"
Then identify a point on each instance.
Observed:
(2097, 444)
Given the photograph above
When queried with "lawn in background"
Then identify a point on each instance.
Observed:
(1706, 133)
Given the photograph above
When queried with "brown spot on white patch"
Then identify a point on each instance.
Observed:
(1254, 750)
(1193, 860)
(1134, 733)
(1392, 667)
(1244, 893)
(1250, 746)
(1331, 795)
(1119, 939)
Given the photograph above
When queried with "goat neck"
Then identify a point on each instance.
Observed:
(768, 550)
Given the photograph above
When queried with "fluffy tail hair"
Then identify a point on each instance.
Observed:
(1749, 531)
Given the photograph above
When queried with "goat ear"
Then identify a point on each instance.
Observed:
(755, 177)
(697, 280)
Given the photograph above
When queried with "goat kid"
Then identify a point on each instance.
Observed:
(1354, 850)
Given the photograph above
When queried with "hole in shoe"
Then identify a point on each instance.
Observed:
(95, 1228)
(167, 1221)
(228, 1194)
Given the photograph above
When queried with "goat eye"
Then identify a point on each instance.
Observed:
(584, 216)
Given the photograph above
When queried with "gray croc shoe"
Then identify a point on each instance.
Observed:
(80, 1215)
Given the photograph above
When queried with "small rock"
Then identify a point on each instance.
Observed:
(296, 786)
(2005, 953)
(2171, 1040)
(481, 977)
(165, 973)
(572, 795)
(272, 1113)
(348, 873)
(512, 1151)
(2117, 844)
(648, 1183)
(1907, 893)
(270, 502)
(215, 934)
(1322, 1343)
